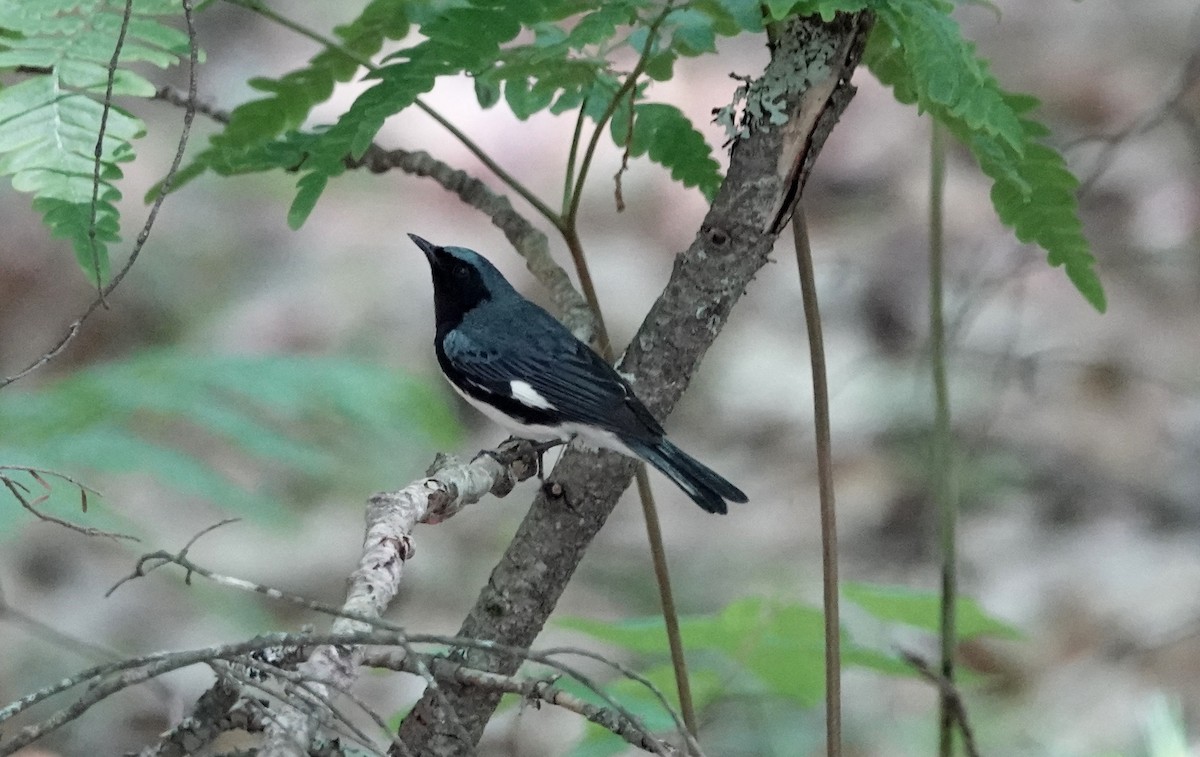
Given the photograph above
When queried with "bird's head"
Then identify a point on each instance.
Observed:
(462, 280)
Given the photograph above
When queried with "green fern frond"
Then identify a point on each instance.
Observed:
(291, 98)
(50, 122)
(948, 76)
(566, 66)
(534, 81)
(460, 40)
(917, 49)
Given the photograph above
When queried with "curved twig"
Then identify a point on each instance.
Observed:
(99, 152)
(20, 492)
(529, 242)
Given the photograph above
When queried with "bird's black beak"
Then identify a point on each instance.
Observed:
(429, 248)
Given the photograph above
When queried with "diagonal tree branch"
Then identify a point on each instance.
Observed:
(768, 168)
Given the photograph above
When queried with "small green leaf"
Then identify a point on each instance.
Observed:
(637, 40)
(294, 95)
(487, 92)
(661, 67)
(668, 137)
(826, 9)
(310, 186)
(601, 24)
(746, 14)
(920, 609)
(69, 220)
(945, 72)
(778, 10)
(524, 99)
(547, 34)
(692, 33)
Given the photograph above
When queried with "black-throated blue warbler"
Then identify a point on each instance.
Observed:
(522, 368)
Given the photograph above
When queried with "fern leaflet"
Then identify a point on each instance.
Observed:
(242, 146)
(49, 122)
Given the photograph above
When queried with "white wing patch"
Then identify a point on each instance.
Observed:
(525, 394)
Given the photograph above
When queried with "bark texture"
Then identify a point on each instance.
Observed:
(790, 111)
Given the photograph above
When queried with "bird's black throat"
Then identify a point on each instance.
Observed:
(458, 288)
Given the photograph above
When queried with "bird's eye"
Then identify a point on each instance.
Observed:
(460, 271)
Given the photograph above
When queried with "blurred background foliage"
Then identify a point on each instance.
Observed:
(257, 436)
(246, 369)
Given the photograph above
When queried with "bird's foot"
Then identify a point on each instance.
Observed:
(514, 448)
(540, 449)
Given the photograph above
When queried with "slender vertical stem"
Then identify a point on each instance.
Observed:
(572, 156)
(674, 638)
(940, 463)
(575, 246)
(829, 564)
(627, 86)
(567, 226)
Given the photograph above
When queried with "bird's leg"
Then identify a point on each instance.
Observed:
(541, 448)
(505, 455)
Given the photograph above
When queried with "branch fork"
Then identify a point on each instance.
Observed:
(449, 486)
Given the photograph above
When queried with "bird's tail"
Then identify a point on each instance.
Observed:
(698, 481)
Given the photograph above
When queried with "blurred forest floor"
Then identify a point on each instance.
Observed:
(1079, 433)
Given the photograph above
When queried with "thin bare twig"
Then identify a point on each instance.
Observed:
(404, 658)
(626, 725)
(160, 558)
(300, 691)
(379, 624)
(1170, 104)
(107, 679)
(391, 518)
(99, 156)
(20, 492)
(949, 693)
(450, 487)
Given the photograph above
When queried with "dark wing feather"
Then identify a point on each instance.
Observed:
(566, 372)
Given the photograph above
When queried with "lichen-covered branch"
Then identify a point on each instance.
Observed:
(391, 518)
(449, 487)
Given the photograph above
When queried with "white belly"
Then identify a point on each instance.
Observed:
(587, 436)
